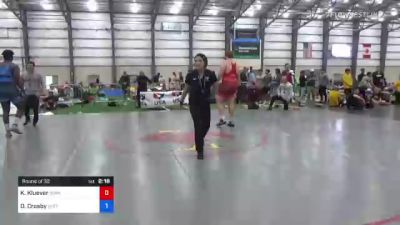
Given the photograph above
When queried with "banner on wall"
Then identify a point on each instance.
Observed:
(246, 48)
(367, 51)
(160, 99)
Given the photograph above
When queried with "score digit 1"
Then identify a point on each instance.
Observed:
(106, 199)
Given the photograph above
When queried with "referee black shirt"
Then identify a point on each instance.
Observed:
(200, 89)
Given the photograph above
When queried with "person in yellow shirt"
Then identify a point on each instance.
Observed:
(397, 92)
(335, 98)
(347, 82)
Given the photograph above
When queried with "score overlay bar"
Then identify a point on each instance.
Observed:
(65, 195)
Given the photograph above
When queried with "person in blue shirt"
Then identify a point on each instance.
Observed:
(198, 84)
(11, 86)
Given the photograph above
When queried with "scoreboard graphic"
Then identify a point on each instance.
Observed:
(65, 194)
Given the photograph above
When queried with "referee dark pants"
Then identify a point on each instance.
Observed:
(201, 115)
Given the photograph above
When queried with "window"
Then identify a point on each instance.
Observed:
(51, 79)
(341, 51)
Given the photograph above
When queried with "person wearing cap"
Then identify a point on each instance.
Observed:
(198, 85)
(11, 86)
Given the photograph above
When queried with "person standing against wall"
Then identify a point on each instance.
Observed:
(142, 82)
(251, 90)
(11, 86)
(311, 82)
(361, 75)
(34, 87)
(181, 81)
(125, 83)
(323, 86)
(199, 83)
(303, 88)
(347, 82)
(229, 82)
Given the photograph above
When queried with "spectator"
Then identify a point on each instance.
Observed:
(347, 79)
(355, 101)
(303, 88)
(311, 82)
(125, 83)
(243, 74)
(361, 75)
(323, 85)
(285, 94)
(335, 99)
(251, 89)
(142, 81)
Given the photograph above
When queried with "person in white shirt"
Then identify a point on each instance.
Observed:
(285, 93)
(34, 87)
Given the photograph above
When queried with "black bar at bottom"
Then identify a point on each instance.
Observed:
(65, 181)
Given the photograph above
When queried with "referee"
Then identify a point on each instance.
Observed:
(198, 84)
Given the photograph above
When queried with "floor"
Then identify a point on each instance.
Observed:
(309, 167)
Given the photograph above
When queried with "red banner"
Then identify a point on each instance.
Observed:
(367, 51)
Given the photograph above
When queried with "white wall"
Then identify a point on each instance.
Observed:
(371, 36)
(172, 47)
(340, 35)
(92, 46)
(209, 39)
(312, 34)
(132, 43)
(392, 71)
(48, 44)
(11, 35)
(277, 44)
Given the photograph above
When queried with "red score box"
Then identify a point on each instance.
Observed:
(106, 193)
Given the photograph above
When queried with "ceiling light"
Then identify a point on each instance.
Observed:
(394, 12)
(250, 12)
(258, 5)
(45, 5)
(286, 15)
(345, 1)
(357, 5)
(179, 4)
(2, 5)
(175, 10)
(92, 5)
(135, 8)
(214, 11)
